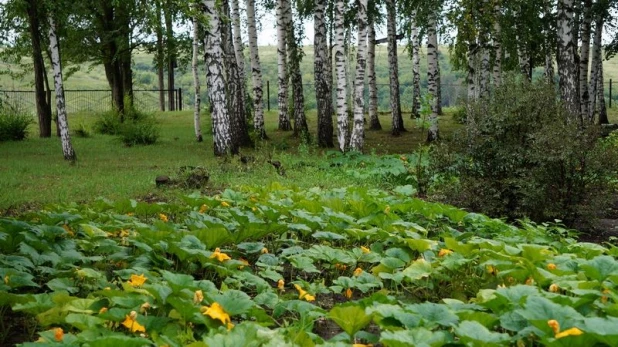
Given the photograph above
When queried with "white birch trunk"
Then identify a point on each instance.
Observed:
(340, 61)
(416, 67)
(471, 77)
(432, 77)
(358, 129)
(238, 46)
(374, 121)
(222, 136)
(497, 46)
(594, 69)
(601, 94)
(322, 86)
(567, 69)
(282, 95)
(256, 73)
(391, 26)
(196, 82)
(63, 123)
(584, 59)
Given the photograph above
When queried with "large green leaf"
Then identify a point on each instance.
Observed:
(418, 337)
(475, 334)
(351, 318)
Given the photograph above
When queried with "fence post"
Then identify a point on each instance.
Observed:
(268, 94)
(179, 99)
(610, 93)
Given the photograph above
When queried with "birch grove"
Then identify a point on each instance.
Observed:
(340, 62)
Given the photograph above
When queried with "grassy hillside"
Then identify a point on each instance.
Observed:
(93, 77)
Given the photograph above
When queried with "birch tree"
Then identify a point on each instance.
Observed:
(282, 95)
(567, 69)
(294, 58)
(67, 147)
(358, 130)
(594, 71)
(432, 76)
(584, 58)
(416, 66)
(256, 73)
(216, 83)
(391, 26)
(322, 86)
(340, 61)
(374, 121)
(497, 46)
(196, 81)
(236, 97)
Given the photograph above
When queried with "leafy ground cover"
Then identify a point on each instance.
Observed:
(33, 173)
(277, 266)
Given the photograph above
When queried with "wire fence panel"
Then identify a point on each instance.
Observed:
(91, 101)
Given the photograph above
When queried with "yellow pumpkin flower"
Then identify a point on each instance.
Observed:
(551, 266)
(365, 249)
(361, 345)
(225, 204)
(358, 272)
(501, 286)
(341, 267)
(554, 288)
(131, 324)
(264, 250)
(137, 281)
(569, 332)
(554, 325)
(403, 158)
(245, 263)
(387, 209)
(348, 293)
(123, 233)
(130, 214)
(281, 284)
(144, 307)
(491, 270)
(58, 334)
(302, 294)
(219, 256)
(530, 281)
(444, 252)
(198, 296)
(203, 208)
(604, 297)
(7, 279)
(103, 310)
(163, 218)
(68, 229)
(216, 311)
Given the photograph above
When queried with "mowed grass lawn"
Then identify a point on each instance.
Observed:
(33, 173)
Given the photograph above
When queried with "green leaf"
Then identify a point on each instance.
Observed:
(83, 321)
(234, 302)
(327, 235)
(418, 337)
(476, 334)
(419, 269)
(118, 340)
(350, 318)
(600, 268)
(432, 314)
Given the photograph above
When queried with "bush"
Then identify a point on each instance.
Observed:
(138, 128)
(519, 157)
(82, 131)
(13, 123)
(143, 132)
(108, 123)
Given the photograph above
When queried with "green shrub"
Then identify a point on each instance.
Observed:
(136, 127)
(519, 157)
(142, 132)
(82, 131)
(13, 123)
(108, 123)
